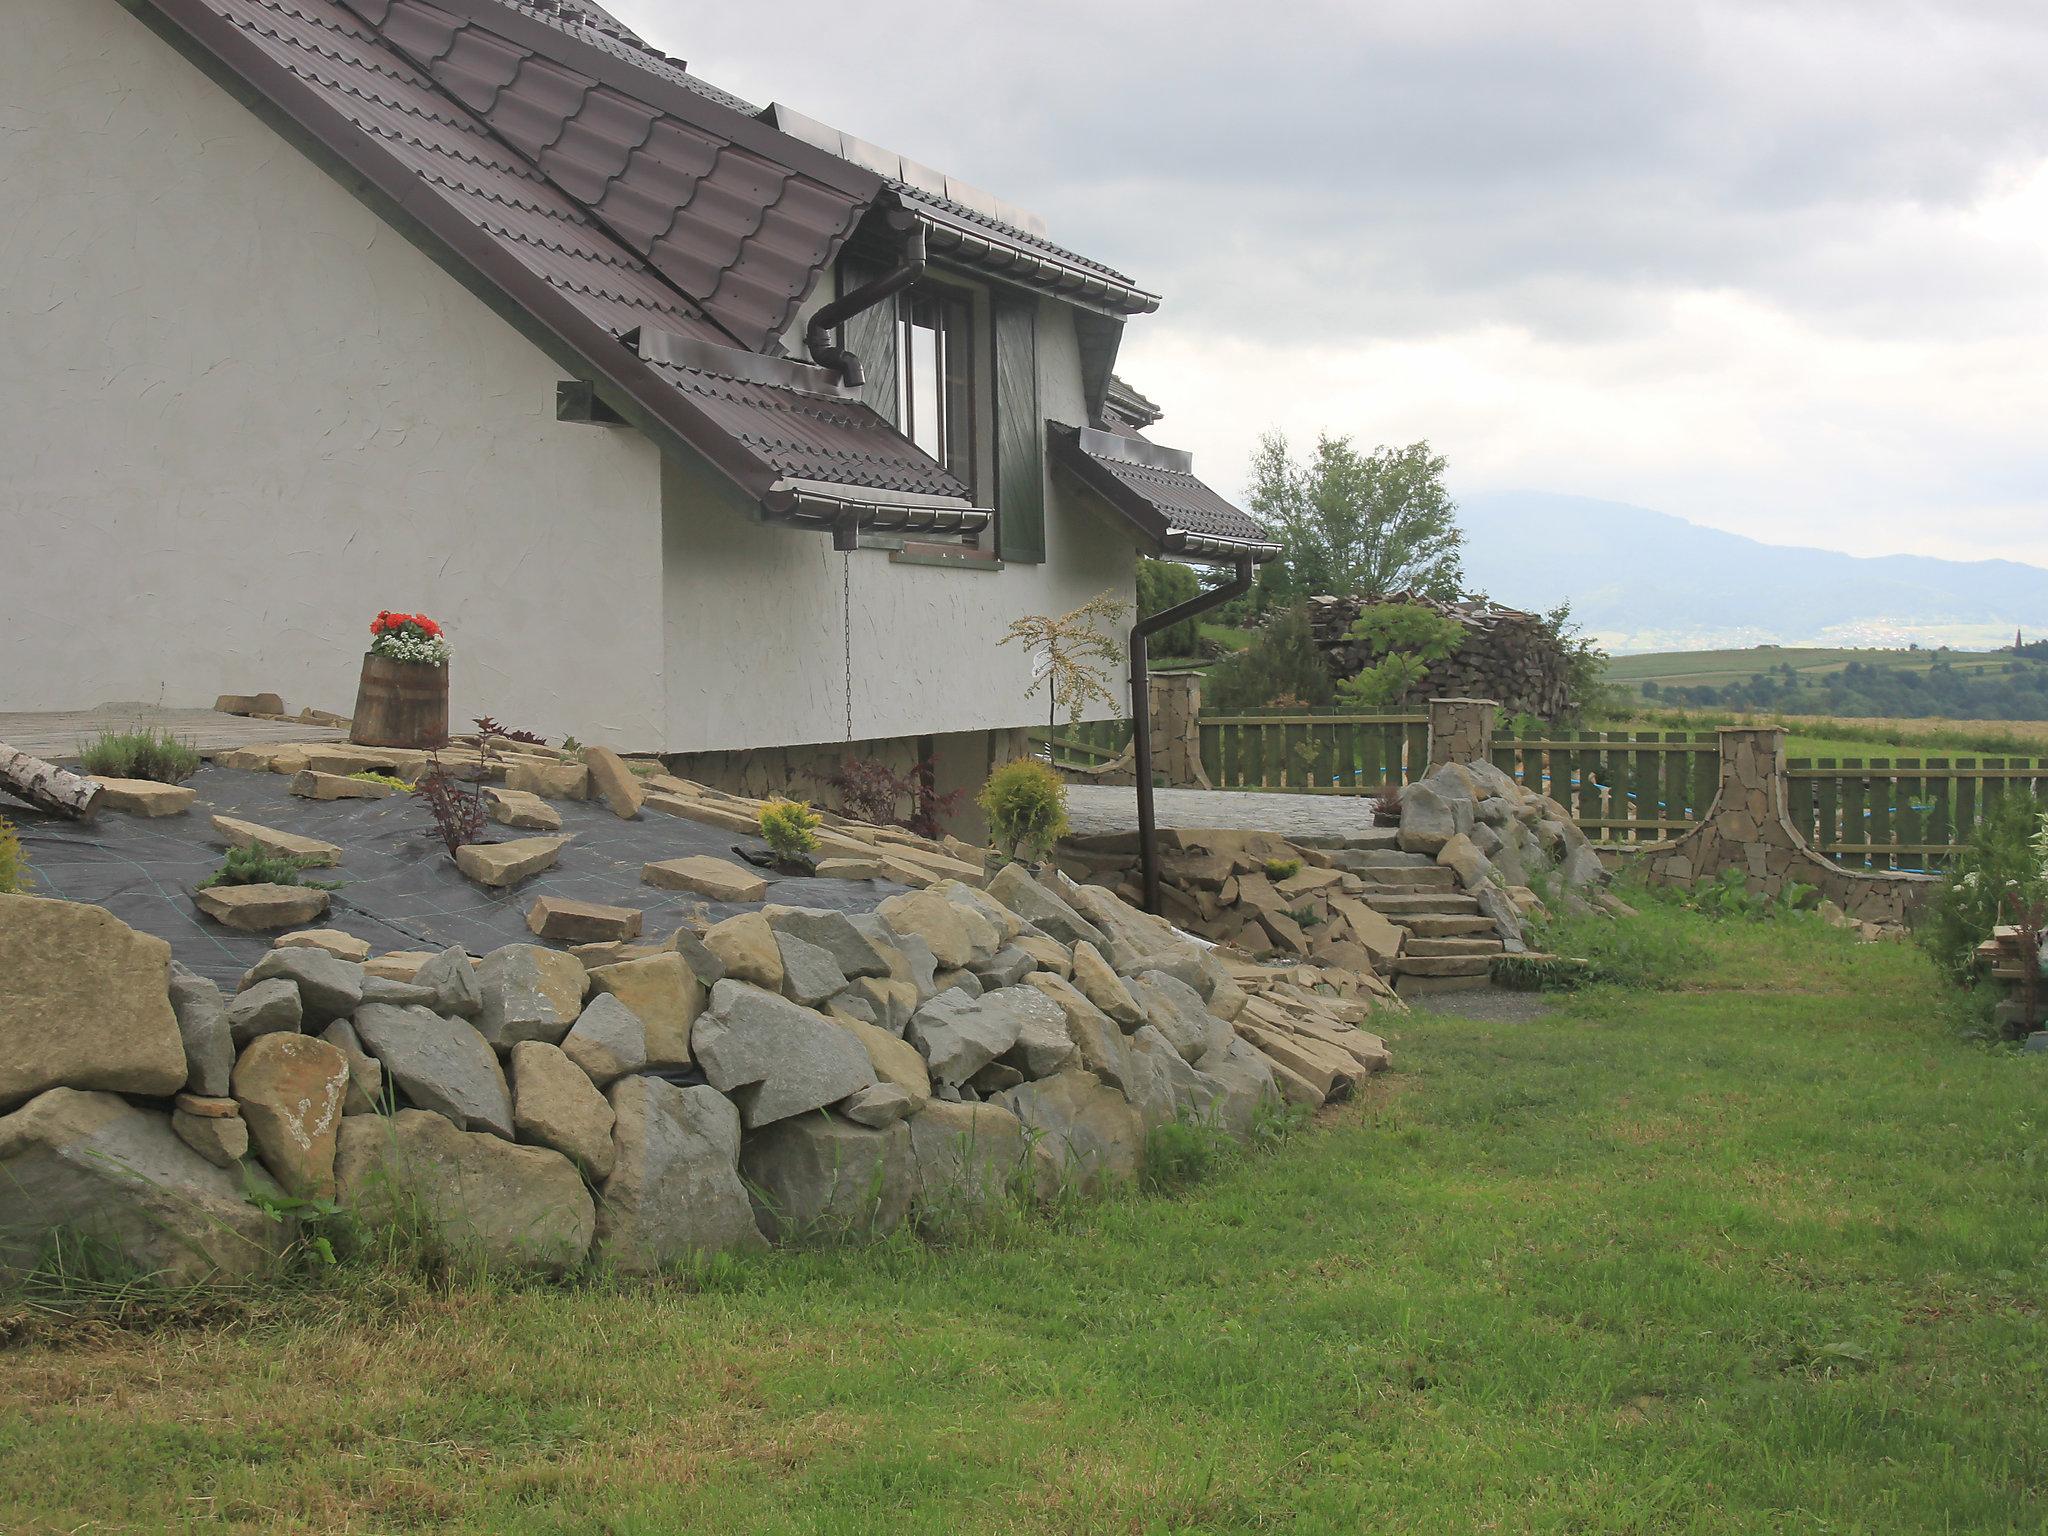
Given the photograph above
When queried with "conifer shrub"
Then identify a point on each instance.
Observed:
(790, 828)
(1026, 805)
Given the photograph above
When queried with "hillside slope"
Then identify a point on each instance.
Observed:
(1645, 581)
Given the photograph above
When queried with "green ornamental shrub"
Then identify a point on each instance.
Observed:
(1282, 869)
(790, 827)
(13, 863)
(1026, 806)
(145, 754)
(1281, 665)
(250, 865)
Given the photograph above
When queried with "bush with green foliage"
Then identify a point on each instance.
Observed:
(1409, 628)
(1729, 895)
(1282, 665)
(1026, 805)
(250, 865)
(1163, 584)
(1282, 869)
(1385, 683)
(13, 863)
(388, 780)
(790, 828)
(145, 754)
(2006, 859)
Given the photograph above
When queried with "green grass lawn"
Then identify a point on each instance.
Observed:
(1762, 1254)
(1690, 668)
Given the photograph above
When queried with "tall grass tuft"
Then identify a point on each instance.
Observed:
(144, 754)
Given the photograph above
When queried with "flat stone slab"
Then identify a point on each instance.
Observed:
(343, 946)
(247, 834)
(145, 797)
(581, 922)
(518, 808)
(502, 864)
(714, 879)
(261, 908)
(310, 784)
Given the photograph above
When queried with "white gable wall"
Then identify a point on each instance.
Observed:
(239, 414)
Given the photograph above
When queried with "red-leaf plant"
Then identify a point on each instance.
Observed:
(460, 811)
(870, 790)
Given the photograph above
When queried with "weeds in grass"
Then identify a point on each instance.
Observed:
(1650, 951)
(1185, 1151)
(144, 754)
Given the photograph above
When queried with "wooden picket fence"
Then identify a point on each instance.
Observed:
(1629, 789)
(1912, 813)
(1091, 744)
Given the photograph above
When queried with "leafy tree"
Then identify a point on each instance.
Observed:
(1281, 665)
(1161, 585)
(1356, 523)
(1405, 639)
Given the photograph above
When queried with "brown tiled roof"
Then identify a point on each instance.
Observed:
(598, 215)
(1155, 488)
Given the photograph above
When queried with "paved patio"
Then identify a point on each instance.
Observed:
(60, 735)
(1097, 809)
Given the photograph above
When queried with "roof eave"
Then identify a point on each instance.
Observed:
(1164, 538)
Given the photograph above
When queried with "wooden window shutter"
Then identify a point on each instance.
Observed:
(871, 337)
(1020, 433)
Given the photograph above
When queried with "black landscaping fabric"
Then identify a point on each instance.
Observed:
(398, 887)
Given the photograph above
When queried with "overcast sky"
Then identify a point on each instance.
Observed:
(1781, 268)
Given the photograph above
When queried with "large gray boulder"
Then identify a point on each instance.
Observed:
(269, 1007)
(809, 974)
(329, 987)
(675, 1190)
(1089, 1129)
(528, 993)
(1159, 1082)
(1176, 1010)
(440, 1064)
(1431, 817)
(608, 1041)
(202, 1015)
(968, 1157)
(455, 981)
(1245, 1085)
(1098, 1039)
(818, 1179)
(509, 1206)
(774, 1058)
(1043, 908)
(958, 1035)
(365, 1092)
(855, 952)
(1044, 1043)
(84, 1003)
(95, 1176)
(1006, 968)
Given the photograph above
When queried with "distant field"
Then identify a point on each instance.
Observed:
(1864, 738)
(1687, 669)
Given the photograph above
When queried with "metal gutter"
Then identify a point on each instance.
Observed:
(818, 333)
(1141, 713)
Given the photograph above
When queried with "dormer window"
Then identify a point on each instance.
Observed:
(935, 376)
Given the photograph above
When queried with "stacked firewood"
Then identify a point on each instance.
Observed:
(2013, 958)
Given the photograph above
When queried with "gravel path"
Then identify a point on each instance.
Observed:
(1097, 808)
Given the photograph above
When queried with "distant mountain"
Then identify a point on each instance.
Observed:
(1647, 581)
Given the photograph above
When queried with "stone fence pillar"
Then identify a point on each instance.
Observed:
(1460, 731)
(1177, 729)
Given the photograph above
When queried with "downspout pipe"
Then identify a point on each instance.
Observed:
(818, 334)
(1141, 711)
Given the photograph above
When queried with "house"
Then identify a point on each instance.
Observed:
(703, 428)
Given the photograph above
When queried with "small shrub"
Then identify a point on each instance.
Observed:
(1282, 869)
(487, 728)
(1385, 683)
(13, 862)
(870, 790)
(250, 865)
(790, 827)
(2004, 861)
(1386, 806)
(145, 754)
(1282, 663)
(391, 781)
(1026, 806)
(1305, 915)
(460, 811)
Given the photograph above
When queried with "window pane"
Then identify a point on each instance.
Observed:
(927, 420)
(959, 350)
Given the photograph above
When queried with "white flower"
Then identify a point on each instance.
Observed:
(423, 650)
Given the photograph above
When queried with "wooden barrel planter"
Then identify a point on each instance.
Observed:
(401, 704)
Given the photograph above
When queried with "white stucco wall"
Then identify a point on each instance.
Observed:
(239, 414)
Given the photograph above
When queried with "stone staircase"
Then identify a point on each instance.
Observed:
(1450, 944)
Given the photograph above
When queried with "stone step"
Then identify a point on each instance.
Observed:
(1426, 925)
(1394, 903)
(1430, 877)
(1386, 838)
(1443, 965)
(1357, 862)
(1411, 986)
(1423, 948)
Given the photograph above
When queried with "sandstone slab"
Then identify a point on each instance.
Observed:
(712, 878)
(550, 781)
(1104, 988)
(343, 946)
(581, 922)
(528, 993)
(329, 988)
(310, 851)
(497, 865)
(261, 908)
(608, 1041)
(746, 947)
(969, 1157)
(930, 917)
(84, 1003)
(1042, 907)
(666, 996)
(222, 1138)
(896, 1061)
(613, 782)
(819, 1179)
(290, 1091)
(509, 1206)
(145, 797)
(521, 810)
(311, 784)
(555, 1103)
(1089, 1129)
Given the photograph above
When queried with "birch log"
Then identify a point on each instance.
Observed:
(46, 786)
